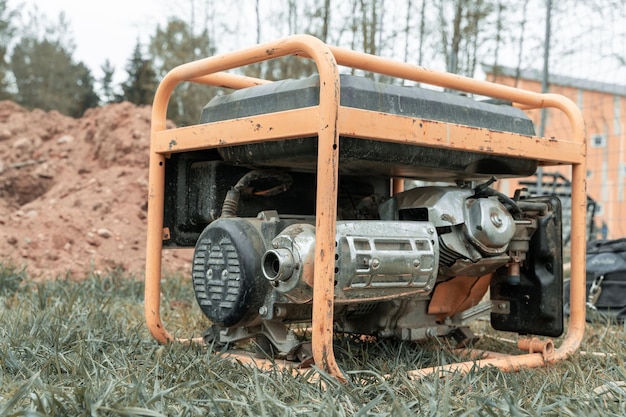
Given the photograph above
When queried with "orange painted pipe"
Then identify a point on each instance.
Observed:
(326, 203)
(210, 71)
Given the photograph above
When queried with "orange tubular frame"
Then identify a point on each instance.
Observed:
(328, 121)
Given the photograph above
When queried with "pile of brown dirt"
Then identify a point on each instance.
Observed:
(73, 192)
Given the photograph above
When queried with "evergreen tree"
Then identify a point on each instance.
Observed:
(47, 78)
(174, 45)
(7, 31)
(85, 94)
(106, 82)
(140, 86)
(44, 71)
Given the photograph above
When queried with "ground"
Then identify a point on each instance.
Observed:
(73, 192)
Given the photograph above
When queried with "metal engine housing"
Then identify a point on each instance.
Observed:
(246, 265)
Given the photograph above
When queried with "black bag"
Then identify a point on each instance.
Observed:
(606, 281)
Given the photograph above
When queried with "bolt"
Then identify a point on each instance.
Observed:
(263, 310)
(375, 263)
(275, 245)
(416, 263)
(496, 220)
(502, 306)
(225, 274)
(431, 230)
(280, 311)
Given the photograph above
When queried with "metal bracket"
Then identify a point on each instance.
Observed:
(500, 307)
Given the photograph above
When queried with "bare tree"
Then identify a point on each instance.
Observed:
(326, 20)
(407, 29)
(498, 39)
(422, 33)
(258, 21)
(369, 26)
(461, 23)
(520, 46)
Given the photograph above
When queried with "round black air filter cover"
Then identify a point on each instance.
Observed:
(227, 278)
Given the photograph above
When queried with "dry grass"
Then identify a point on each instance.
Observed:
(80, 348)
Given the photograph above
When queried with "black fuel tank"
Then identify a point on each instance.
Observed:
(359, 155)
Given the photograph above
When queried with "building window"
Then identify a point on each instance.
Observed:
(598, 140)
(579, 99)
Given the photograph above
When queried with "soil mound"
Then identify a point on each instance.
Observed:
(73, 192)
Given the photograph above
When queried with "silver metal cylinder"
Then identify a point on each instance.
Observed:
(277, 264)
(373, 260)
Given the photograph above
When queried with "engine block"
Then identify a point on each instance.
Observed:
(252, 274)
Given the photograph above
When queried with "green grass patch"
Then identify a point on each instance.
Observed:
(79, 347)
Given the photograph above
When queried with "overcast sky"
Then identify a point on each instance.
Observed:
(109, 29)
(106, 29)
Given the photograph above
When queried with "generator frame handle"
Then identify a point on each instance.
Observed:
(328, 120)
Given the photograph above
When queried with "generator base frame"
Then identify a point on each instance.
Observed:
(328, 121)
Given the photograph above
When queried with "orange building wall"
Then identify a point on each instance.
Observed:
(605, 114)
